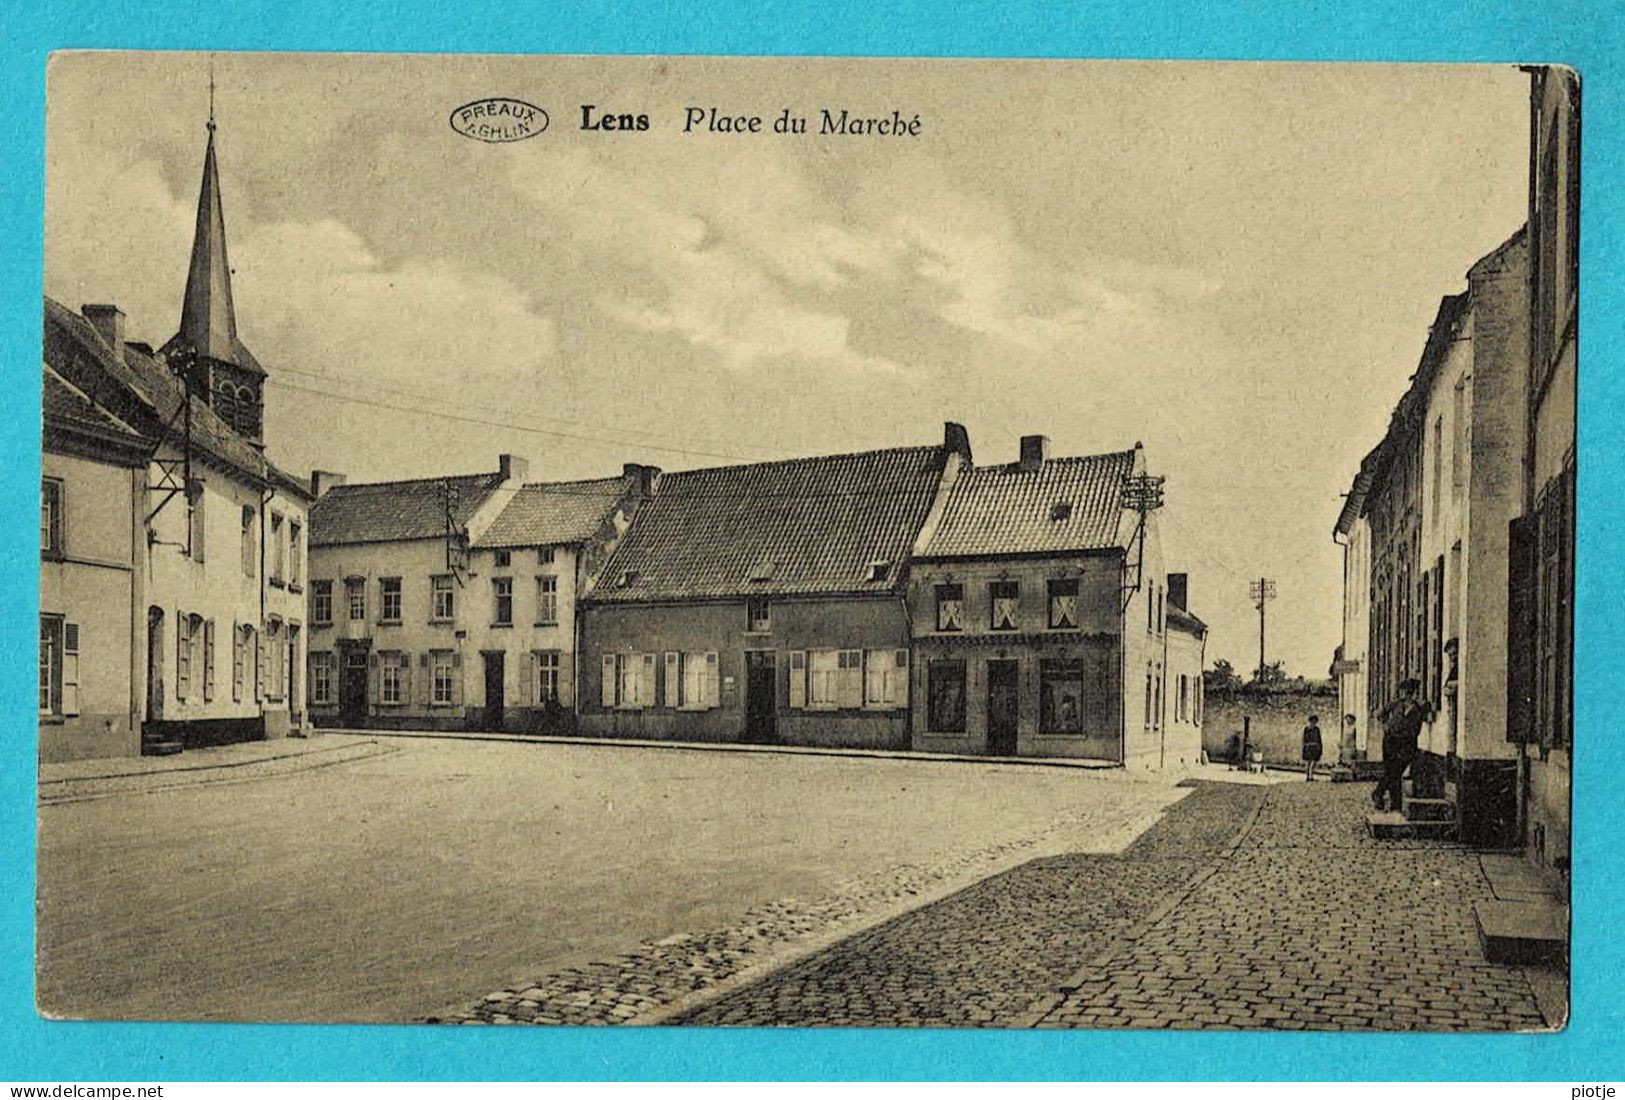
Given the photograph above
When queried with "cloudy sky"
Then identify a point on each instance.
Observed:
(1235, 264)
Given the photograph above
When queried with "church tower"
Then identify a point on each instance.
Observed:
(206, 350)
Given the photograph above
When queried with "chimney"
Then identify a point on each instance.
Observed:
(1034, 450)
(956, 439)
(323, 480)
(513, 467)
(1177, 586)
(645, 478)
(108, 320)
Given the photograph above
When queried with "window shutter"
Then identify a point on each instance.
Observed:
(1521, 579)
(456, 679)
(713, 681)
(606, 685)
(208, 660)
(646, 681)
(527, 689)
(423, 685)
(70, 669)
(236, 663)
(899, 684)
(849, 685)
(180, 654)
(674, 681)
(798, 679)
(567, 678)
(259, 666)
(406, 678)
(374, 679)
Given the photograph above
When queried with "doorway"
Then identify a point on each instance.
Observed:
(353, 688)
(1002, 707)
(761, 696)
(155, 664)
(495, 702)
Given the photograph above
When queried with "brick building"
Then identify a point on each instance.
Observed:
(764, 602)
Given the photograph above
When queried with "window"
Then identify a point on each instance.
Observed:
(1148, 691)
(321, 603)
(321, 679)
(276, 655)
(58, 667)
(183, 655)
(249, 548)
(1156, 708)
(440, 683)
(691, 680)
(502, 601)
(1063, 604)
(442, 602)
(1151, 607)
(945, 688)
(834, 679)
(544, 555)
(1006, 597)
(628, 680)
(50, 517)
(1060, 696)
(279, 550)
(950, 607)
(391, 689)
(759, 616)
(239, 661)
(885, 678)
(547, 600)
(355, 589)
(1438, 470)
(1460, 436)
(195, 525)
(547, 677)
(296, 554)
(502, 558)
(208, 660)
(389, 599)
(1162, 609)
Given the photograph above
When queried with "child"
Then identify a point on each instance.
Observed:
(1311, 748)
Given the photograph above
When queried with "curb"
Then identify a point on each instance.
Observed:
(156, 788)
(211, 766)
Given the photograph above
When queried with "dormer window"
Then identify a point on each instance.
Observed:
(878, 570)
(628, 578)
(1061, 511)
(763, 570)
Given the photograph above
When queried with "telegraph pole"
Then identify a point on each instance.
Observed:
(1262, 591)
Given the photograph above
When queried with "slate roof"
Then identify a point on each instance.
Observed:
(66, 406)
(1067, 505)
(389, 511)
(806, 526)
(142, 391)
(553, 513)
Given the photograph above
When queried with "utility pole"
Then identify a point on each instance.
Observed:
(1262, 591)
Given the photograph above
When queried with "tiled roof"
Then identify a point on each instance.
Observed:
(806, 526)
(145, 385)
(1067, 504)
(1180, 619)
(67, 405)
(388, 511)
(553, 512)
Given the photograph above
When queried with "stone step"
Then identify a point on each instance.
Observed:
(161, 748)
(1392, 825)
(1430, 809)
(1523, 933)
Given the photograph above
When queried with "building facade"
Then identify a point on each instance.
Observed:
(764, 602)
(1431, 508)
(1541, 626)
(1039, 608)
(449, 603)
(217, 604)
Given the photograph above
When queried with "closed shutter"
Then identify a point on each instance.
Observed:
(1521, 579)
(674, 681)
(374, 680)
(849, 682)
(713, 680)
(183, 670)
(567, 678)
(456, 679)
(606, 685)
(70, 669)
(208, 660)
(646, 680)
(259, 666)
(899, 684)
(406, 677)
(527, 688)
(798, 679)
(424, 684)
(236, 663)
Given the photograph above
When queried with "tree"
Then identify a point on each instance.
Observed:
(1221, 677)
(1273, 673)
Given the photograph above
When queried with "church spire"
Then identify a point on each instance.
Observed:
(208, 317)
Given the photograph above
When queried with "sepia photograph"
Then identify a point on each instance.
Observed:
(807, 542)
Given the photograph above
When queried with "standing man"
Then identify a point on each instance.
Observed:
(1401, 728)
(1312, 747)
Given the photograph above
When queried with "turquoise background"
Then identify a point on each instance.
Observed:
(1587, 36)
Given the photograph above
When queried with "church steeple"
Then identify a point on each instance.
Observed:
(218, 368)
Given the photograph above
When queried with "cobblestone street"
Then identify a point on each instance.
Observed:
(1306, 923)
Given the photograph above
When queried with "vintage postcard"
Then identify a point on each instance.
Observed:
(807, 542)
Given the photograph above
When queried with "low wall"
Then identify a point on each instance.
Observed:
(1277, 721)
